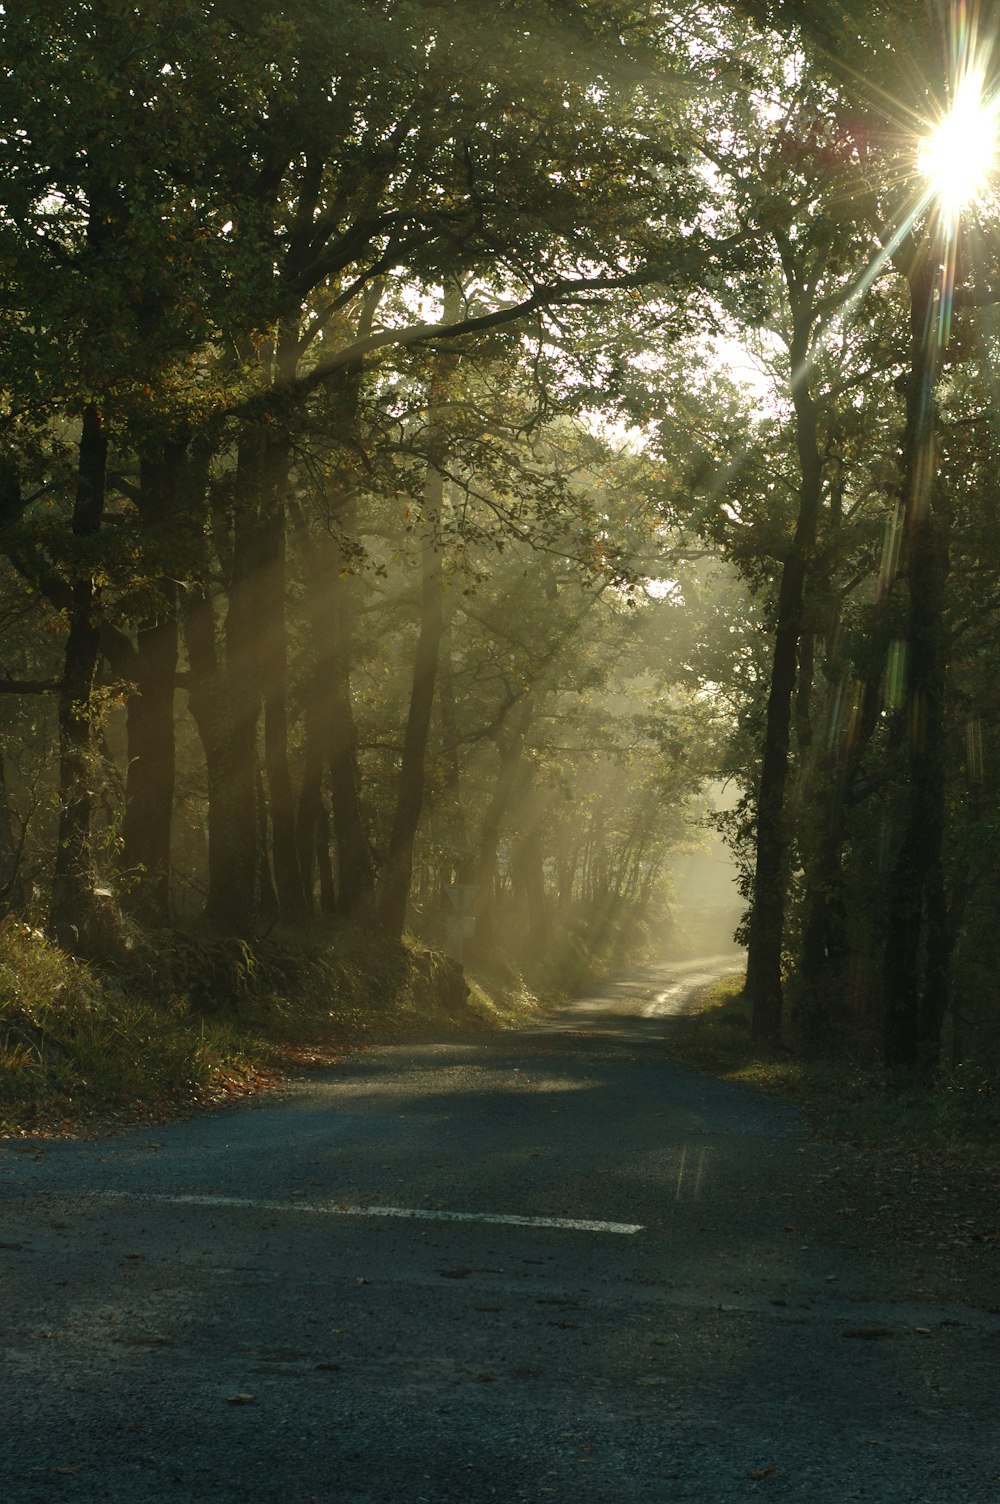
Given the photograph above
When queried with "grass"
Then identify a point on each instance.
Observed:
(186, 1018)
(841, 1101)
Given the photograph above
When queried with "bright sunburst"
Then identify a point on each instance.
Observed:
(960, 153)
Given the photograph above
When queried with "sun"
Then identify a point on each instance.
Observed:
(959, 155)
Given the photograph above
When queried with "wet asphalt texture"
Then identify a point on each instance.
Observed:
(207, 1312)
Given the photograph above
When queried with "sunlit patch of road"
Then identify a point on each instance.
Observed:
(662, 990)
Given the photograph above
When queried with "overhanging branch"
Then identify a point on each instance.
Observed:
(561, 293)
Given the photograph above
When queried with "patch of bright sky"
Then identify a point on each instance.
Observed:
(624, 438)
(753, 372)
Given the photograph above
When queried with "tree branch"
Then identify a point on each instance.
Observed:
(415, 334)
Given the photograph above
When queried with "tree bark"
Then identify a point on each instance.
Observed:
(227, 701)
(528, 872)
(331, 734)
(510, 745)
(912, 1021)
(11, 887)
(355, 867)
(72, 884)
(149, 777)
(310, 813)
(256, 642)
(231, 769)
(330, 711)
(767, 919)
(327, 889)
(269, 907)
(398, 869)
(837, 763)
(454, 832)
(255, 628)
(936, 997)
(293, 903)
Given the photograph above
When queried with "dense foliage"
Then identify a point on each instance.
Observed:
(384, 539)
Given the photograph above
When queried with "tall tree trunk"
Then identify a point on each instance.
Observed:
(240, 699)
(355, 867)
(269, 908)
(936, 995)
(231, 769)
(767, 918)
(528, 872)
(256, 640)
(310, 819)
(327, 889)
(510, 745)
(231, 903)
(227, 703)
(398, 869)
(256, 635)
(72, 883)
(149, 778)
(330, 710)
(11, 887)
(331, 734)
(850, 720)
(911, 1029)
(310, 813)
(292, 899)
(454, 830)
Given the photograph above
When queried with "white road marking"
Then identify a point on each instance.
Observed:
(344, 1209)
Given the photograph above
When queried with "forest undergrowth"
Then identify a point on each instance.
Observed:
(182, 1019)
(842, 1099)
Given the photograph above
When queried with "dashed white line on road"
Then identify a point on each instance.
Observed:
(345, 1209)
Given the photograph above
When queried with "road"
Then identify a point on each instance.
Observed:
(545, 1265)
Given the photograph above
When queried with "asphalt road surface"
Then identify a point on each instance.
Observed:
(549, 1265)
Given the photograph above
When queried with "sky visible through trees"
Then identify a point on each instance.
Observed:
(391, 539)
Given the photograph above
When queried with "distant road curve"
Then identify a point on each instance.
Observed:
(661, 989)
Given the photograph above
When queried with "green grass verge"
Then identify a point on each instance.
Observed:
(186, 1018)
(840, 1101)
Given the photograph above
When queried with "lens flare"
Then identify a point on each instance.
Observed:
(960, 154)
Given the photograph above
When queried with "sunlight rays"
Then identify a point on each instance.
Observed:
(959, 154)
(956, 149)
(953, 160)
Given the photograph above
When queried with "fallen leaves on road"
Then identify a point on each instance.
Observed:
(941, 1203)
